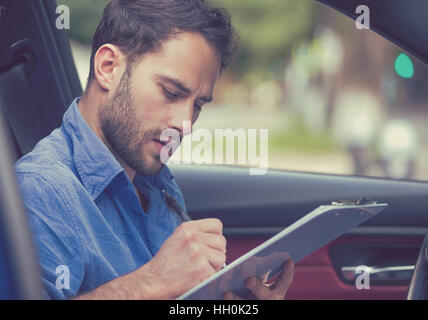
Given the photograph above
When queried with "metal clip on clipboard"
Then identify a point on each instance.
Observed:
(359, 202)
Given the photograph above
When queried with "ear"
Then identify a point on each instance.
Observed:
(107, 64)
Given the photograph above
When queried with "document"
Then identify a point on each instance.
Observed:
(308, 234)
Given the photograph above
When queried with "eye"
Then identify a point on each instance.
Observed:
(170, 95)
(198, 107)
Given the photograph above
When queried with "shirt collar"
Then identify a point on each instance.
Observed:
(95, 163)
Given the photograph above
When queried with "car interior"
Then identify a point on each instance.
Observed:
(38, 81)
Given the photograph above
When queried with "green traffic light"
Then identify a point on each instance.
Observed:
(404, 66)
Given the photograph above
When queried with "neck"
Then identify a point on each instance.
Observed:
(89, 108)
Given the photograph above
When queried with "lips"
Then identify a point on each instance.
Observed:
(171, 142)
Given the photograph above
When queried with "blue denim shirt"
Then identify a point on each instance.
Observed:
(86, 219)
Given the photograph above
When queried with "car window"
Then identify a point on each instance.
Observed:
(323, 93)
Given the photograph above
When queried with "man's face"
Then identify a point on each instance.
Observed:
(162, 91)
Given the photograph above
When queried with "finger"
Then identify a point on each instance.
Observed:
(214, 241)
(210, 225)
(205, 271)
(231, 296)
(285, 279)
(259, 289)
(265, 277)
(216, 258)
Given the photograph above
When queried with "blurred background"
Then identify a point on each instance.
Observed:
(335, 99)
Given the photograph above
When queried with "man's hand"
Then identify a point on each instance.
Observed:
(194, 252)
(262, 291)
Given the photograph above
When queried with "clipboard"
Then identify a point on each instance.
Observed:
(305, 236)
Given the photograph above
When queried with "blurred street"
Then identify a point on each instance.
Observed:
(335, 99)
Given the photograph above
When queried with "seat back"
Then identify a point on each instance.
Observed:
(38, 81)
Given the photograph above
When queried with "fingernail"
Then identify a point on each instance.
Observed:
(228, 295)
(251, 282)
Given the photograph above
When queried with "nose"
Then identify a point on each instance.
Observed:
(181, 118)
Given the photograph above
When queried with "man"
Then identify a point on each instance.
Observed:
(94, 188)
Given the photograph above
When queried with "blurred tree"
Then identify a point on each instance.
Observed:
(268, 29)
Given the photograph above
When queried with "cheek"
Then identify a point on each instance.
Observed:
(150, 109)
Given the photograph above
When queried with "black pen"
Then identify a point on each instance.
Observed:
(175, 207)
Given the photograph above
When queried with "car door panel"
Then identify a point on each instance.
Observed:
(253, 212)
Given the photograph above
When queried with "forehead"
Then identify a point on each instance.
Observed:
(188, 57)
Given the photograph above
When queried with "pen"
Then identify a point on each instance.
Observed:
(175, 207)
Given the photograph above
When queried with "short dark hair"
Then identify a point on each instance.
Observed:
(141, 26)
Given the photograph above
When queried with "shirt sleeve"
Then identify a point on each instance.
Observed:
(59, 249)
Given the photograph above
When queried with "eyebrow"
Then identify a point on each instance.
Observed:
(182, 87)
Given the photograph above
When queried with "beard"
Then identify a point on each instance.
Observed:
(124, 134)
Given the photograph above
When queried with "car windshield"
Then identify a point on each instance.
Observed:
(333, 96)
